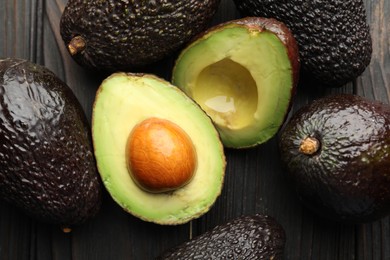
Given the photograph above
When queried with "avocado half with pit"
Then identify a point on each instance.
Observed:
(158, 153)
(243, 73)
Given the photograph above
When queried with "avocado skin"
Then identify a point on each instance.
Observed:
(348, 179)
(333, 36)
(47, 167)
(122, 35)
(246, 237)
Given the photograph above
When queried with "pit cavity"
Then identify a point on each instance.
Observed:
(228, 93)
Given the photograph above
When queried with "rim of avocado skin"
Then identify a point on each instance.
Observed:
(243, 74)
(124, 100)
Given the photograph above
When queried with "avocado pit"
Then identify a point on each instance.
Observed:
(160, 155)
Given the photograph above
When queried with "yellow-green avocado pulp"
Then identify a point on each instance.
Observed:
(123, 101)
(242, 78)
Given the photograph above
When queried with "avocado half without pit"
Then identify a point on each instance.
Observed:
(243, 73)
(158, 153)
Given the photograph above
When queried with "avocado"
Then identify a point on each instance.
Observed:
(243, 73)
(246, 237)
(337, 153)
(333, 36)
(123, 35)
(47, 167)
(158, 153)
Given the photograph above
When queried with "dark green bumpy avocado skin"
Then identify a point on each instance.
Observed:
(348, 178)
(47, 167)
(246, 237)
(121, 35)
(333, 36)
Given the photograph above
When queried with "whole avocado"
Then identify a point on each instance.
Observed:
(246, 237)
(121, 35)
(47, 167)
(333, 36)
(337, 153)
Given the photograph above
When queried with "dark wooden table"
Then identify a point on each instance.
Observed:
(254, 178)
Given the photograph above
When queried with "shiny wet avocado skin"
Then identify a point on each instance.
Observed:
(47, 167)
(123, 35)
(245, 237)
(348, 177)
(334, 38)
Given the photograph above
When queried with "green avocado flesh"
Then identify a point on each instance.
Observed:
(125, 100)
(242, 78)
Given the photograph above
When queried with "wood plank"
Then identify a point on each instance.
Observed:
(255, 181)
(373, 240)
(20, 31)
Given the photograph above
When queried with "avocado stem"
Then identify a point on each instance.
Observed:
(76, 45)
(309, 146)
(66, 229)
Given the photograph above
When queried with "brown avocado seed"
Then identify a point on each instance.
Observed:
(76, 45)
(309, 146)
(160, 155)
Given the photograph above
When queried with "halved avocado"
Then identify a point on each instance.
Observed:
(126, 105)
(243, 73)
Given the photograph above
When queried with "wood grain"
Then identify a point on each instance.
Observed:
(255, 181)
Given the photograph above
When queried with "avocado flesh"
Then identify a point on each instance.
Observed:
(347, 177)
(47, 168)
(123, 101)
(246, 237)
(242, 78)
